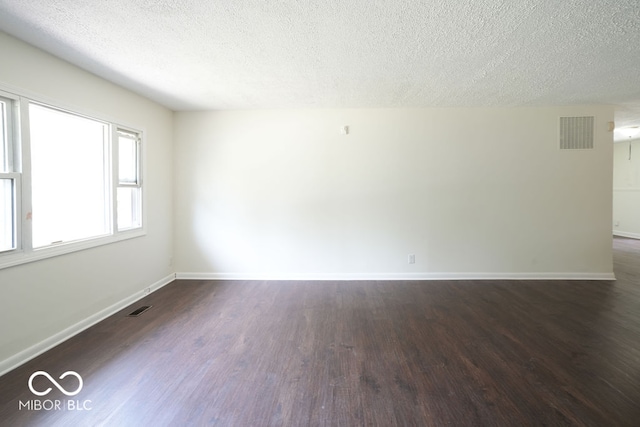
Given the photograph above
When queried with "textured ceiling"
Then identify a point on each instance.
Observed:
(204, 54)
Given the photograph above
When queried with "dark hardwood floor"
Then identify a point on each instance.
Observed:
(363, 353)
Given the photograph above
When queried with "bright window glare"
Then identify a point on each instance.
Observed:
(4, 158)
(6, 214)
(68, 182)
(69, 176)
(128, 160)
(129, 208)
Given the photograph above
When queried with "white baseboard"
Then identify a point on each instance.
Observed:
(48, 343)
(626, 234)
(399, 276)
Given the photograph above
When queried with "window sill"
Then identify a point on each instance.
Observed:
(18, 257)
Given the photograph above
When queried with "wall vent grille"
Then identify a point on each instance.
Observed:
(576, 133)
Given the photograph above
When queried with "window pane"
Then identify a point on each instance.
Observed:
(69, 176)
(129, 208)
(7, 240)
(4, 142)
(128, 159)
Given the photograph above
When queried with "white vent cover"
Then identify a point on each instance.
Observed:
(576, 133)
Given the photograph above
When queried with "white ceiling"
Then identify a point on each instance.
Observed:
(231, 54)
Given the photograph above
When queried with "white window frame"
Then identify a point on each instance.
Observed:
(116, 174)
(24, 252)
(14, 162)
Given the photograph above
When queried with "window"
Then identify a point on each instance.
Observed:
(129, 192)
(9, 178)
(67, 181)
(69, 176)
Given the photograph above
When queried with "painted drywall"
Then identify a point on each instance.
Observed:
(40, 299)
(626, 189)
(470, 192)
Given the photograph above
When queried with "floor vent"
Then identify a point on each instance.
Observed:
(576, 133)
(137, 312)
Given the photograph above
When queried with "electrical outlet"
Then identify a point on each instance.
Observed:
(617, 223)
(412, 258)
(147, 291)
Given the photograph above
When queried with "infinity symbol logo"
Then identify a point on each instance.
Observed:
(54, 382)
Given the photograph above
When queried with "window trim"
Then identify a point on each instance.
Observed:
(24, 252)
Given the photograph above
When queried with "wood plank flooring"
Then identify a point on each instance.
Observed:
(446, 353)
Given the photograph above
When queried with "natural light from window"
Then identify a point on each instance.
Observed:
(129, 186)
(68, 182)
(70, 188)
(4, 145)
(7, 200)
(6, 215)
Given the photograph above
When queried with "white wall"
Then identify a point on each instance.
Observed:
(626, 189)
(470, 192)
(41, 299)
